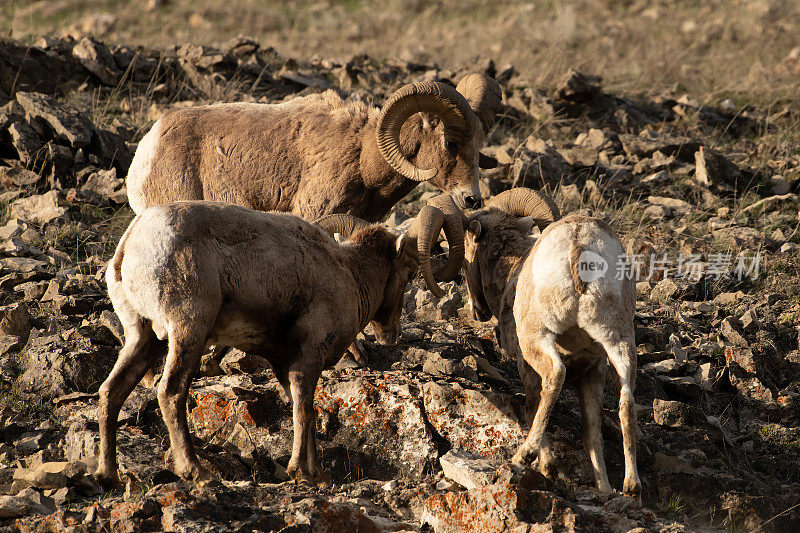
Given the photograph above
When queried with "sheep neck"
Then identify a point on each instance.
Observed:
(386, 187)
(371, 272)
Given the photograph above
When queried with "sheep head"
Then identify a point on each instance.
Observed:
(506, 220)
(412, 250)
(428, 131)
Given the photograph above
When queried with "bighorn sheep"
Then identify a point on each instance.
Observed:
(558, 320)
(319, 154)
(192, 273)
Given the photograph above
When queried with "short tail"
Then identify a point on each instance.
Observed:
(574, 267)
(116, 262)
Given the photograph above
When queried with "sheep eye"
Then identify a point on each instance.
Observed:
(451, 146)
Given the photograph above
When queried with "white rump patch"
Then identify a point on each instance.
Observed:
(140, 168)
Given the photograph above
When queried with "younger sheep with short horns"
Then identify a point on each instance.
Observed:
(192, 273)
(561, 323)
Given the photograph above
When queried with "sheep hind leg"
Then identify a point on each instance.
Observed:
(533, 390)
(591, 395)
(182, 363)
(134, 359)
(546, 361)
(621, 352)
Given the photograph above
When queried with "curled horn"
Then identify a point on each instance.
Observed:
(430, 97)
(342, 224)
(423, 230)
(454, 231)
(524, 202)
(484, 96)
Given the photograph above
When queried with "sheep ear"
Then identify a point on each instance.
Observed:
(486, 161)
(475, 228)
(401, 243)
(525, 225)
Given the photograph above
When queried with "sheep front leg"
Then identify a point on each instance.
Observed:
(304, 465)
(546, 361)
(591, 389)
(182, 363)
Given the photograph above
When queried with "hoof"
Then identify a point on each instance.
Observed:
(519, 459)
(108, 482)
(302, 475)
(323, 480)
(633, 491)
(202, 477)
(549, 471)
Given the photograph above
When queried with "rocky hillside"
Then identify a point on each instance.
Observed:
(705, 199)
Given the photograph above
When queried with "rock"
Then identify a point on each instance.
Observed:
(648, 142)
(423, 300)
(13, 228)
(481, 422)
(575, 86)
(23, 266)
(681, 387)
(20, 505)
(60, 159)
(745, 374)
(110, 320)
(104, 183)
(39, 209)
(7, 344)
(728, 297)
(241, 45)
(51, 475)
(712, 168)
(506, 505)
(396, 218)
(767, 203)
(778, 185)
(97, 59)
(675, 347)
(238, 362)
(67, 122)
(97, 24)
(53, 366)
(662, 176)
(27, 143)
(703, 375)
(749, 321)
(676, 414)
(467, 469)
(479, 364)
(15, 320)
(679, 206)
(18, 176)
(665, 366)
(729, 331)
(669, 464)
(664, 290)
(326, 514)
(29, 444)
(386, 416)
(448, 305)
(437, 365)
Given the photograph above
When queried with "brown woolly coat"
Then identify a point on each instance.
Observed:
(311, 156)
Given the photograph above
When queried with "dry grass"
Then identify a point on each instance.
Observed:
(714, 49)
